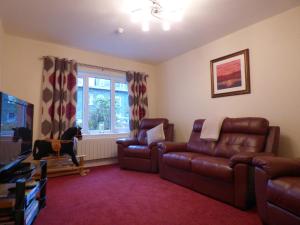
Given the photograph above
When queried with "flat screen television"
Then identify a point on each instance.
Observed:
(16, 125)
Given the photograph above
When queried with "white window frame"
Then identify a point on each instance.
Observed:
(85, 74)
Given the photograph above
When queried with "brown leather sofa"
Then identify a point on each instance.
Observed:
(220, 169)
(134, 153)
(277, 187)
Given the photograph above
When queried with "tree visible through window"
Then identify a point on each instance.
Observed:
(121, 105)
(102, 103)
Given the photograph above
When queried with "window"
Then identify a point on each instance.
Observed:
(102, 102)
(79, 108)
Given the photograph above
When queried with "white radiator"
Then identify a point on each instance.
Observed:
(98, 148)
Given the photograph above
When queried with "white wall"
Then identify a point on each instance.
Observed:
(1, 50)
(22, 69)
(184, 82)
(181, 92)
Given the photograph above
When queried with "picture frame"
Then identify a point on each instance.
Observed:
(230, 74)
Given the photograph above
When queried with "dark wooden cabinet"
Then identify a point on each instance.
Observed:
(22, 200)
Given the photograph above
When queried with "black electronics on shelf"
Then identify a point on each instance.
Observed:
(22, 200)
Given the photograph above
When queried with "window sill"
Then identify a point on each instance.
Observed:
(105, 135)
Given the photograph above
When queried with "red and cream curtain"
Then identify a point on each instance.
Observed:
(59, 96)
(138, 101)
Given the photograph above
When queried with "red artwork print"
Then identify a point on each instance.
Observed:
(229, 74)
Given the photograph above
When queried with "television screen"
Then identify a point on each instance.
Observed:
(16, 123)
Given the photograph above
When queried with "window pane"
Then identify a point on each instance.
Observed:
(121, 106)
(99, 104)
(79, 108)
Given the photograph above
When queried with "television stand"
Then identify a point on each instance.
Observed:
(25, 168)
(22, 200)
(22, 171)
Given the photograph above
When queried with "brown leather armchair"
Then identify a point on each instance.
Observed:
(134, 153)
(277, 187)
(222, 169)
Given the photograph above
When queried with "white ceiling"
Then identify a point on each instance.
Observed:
(91, 25)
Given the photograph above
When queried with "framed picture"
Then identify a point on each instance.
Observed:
(230, 74)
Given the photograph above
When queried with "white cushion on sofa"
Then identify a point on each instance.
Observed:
(211, 128)
(156, 134)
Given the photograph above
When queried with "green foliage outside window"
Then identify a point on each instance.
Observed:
(100, 114)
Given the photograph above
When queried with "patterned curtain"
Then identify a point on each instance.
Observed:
(138, 101)
(59, 96)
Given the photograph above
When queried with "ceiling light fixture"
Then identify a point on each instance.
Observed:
(163, 11)
(120, 30)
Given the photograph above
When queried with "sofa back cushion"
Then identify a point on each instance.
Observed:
(147, 124)
(196, 144)
(242, 135)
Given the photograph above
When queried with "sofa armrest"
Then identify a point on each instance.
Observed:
(125, 142)
(155, 144)
(278, 166)
(246, 157)
(168, 146)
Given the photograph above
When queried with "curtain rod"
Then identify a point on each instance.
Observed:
(92, 66)
(101, 67)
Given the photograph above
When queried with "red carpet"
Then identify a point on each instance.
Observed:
(110, 196)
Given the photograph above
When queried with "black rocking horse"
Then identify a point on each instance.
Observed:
(44, 148)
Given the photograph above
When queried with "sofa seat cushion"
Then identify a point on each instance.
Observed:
(138, 151)
(284, 192)
(213, 167)
(180, 160)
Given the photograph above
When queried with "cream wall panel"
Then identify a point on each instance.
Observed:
(184, 81)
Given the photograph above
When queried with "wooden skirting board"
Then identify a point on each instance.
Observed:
(62, 165)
